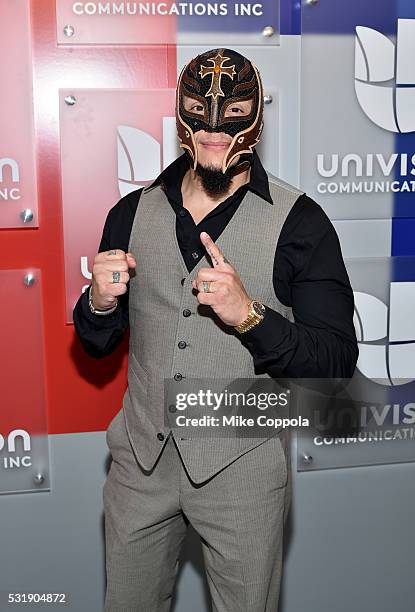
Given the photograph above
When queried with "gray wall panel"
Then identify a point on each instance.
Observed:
(364, 237)
(350, 544)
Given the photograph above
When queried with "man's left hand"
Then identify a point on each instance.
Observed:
(227, 295)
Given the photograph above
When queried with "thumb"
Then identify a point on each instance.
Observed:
(131, 260)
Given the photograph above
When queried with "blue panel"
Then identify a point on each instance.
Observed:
(342, 16)
(406, 9)
(403, 236)
(290, 16)
(403, 230)
(404, 201)
(403, 269)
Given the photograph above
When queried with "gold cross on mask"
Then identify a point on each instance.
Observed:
(217, 70)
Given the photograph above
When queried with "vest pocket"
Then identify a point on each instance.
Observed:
(281, 463)
(138, 377)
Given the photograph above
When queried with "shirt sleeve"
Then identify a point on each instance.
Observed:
(101, 334)
(321, 342)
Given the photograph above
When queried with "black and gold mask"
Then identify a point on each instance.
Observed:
(217, 79)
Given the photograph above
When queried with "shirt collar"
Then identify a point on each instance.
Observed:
(259, 179)
(172, 176)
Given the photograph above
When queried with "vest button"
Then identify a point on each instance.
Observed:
(182, 281)
(160, 436)
(182, 344)
(178, 376)
(186, 312)
(182, 213)
(172, 408)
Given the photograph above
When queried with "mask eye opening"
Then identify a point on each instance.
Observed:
(194, 96)
(252, 96)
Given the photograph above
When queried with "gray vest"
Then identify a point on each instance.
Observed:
(159, 307)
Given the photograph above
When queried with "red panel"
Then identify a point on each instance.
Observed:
(116, 135)
(82, 393)
(22, 376)
(17, 165)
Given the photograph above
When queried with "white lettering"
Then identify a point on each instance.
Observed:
(347, 160)
(84, 268)
(334, 166)
(11, 440)
(386, 167)
(13, 165)
(90, 8)
(77, 8)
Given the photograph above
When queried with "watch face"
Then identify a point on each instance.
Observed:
(258, 308)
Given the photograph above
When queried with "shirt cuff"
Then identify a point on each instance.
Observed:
(94, 318)
(261, 338)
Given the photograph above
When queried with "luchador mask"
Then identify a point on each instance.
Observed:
(217, 79)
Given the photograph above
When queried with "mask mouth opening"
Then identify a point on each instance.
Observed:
(244, 163)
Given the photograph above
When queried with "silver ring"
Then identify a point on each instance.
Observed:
(116, 277)
(206, 286)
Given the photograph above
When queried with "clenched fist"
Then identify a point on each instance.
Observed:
(104, 290)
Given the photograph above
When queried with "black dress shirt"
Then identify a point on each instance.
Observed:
(309, 275)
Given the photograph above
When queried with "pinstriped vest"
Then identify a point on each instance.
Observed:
(159, 303)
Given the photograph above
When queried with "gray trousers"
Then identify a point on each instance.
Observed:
(239, 515)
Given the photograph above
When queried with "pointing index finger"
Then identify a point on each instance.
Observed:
(214, 251)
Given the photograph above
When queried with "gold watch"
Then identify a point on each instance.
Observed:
(255, 315)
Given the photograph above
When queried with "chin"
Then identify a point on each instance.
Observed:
(214, 167)
(212, 162)
(209, 157)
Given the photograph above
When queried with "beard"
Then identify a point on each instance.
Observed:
(214, 181)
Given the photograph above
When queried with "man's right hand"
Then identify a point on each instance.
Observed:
(104, 291)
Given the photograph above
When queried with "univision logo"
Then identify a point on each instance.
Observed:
(385, 76)
(139, 155)
(386, 336)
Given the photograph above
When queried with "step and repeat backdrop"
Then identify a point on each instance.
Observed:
(88, 116)
(358, 161)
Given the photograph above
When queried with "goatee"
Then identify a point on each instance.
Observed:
(214, 181)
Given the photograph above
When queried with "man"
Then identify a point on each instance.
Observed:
(220, 270)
